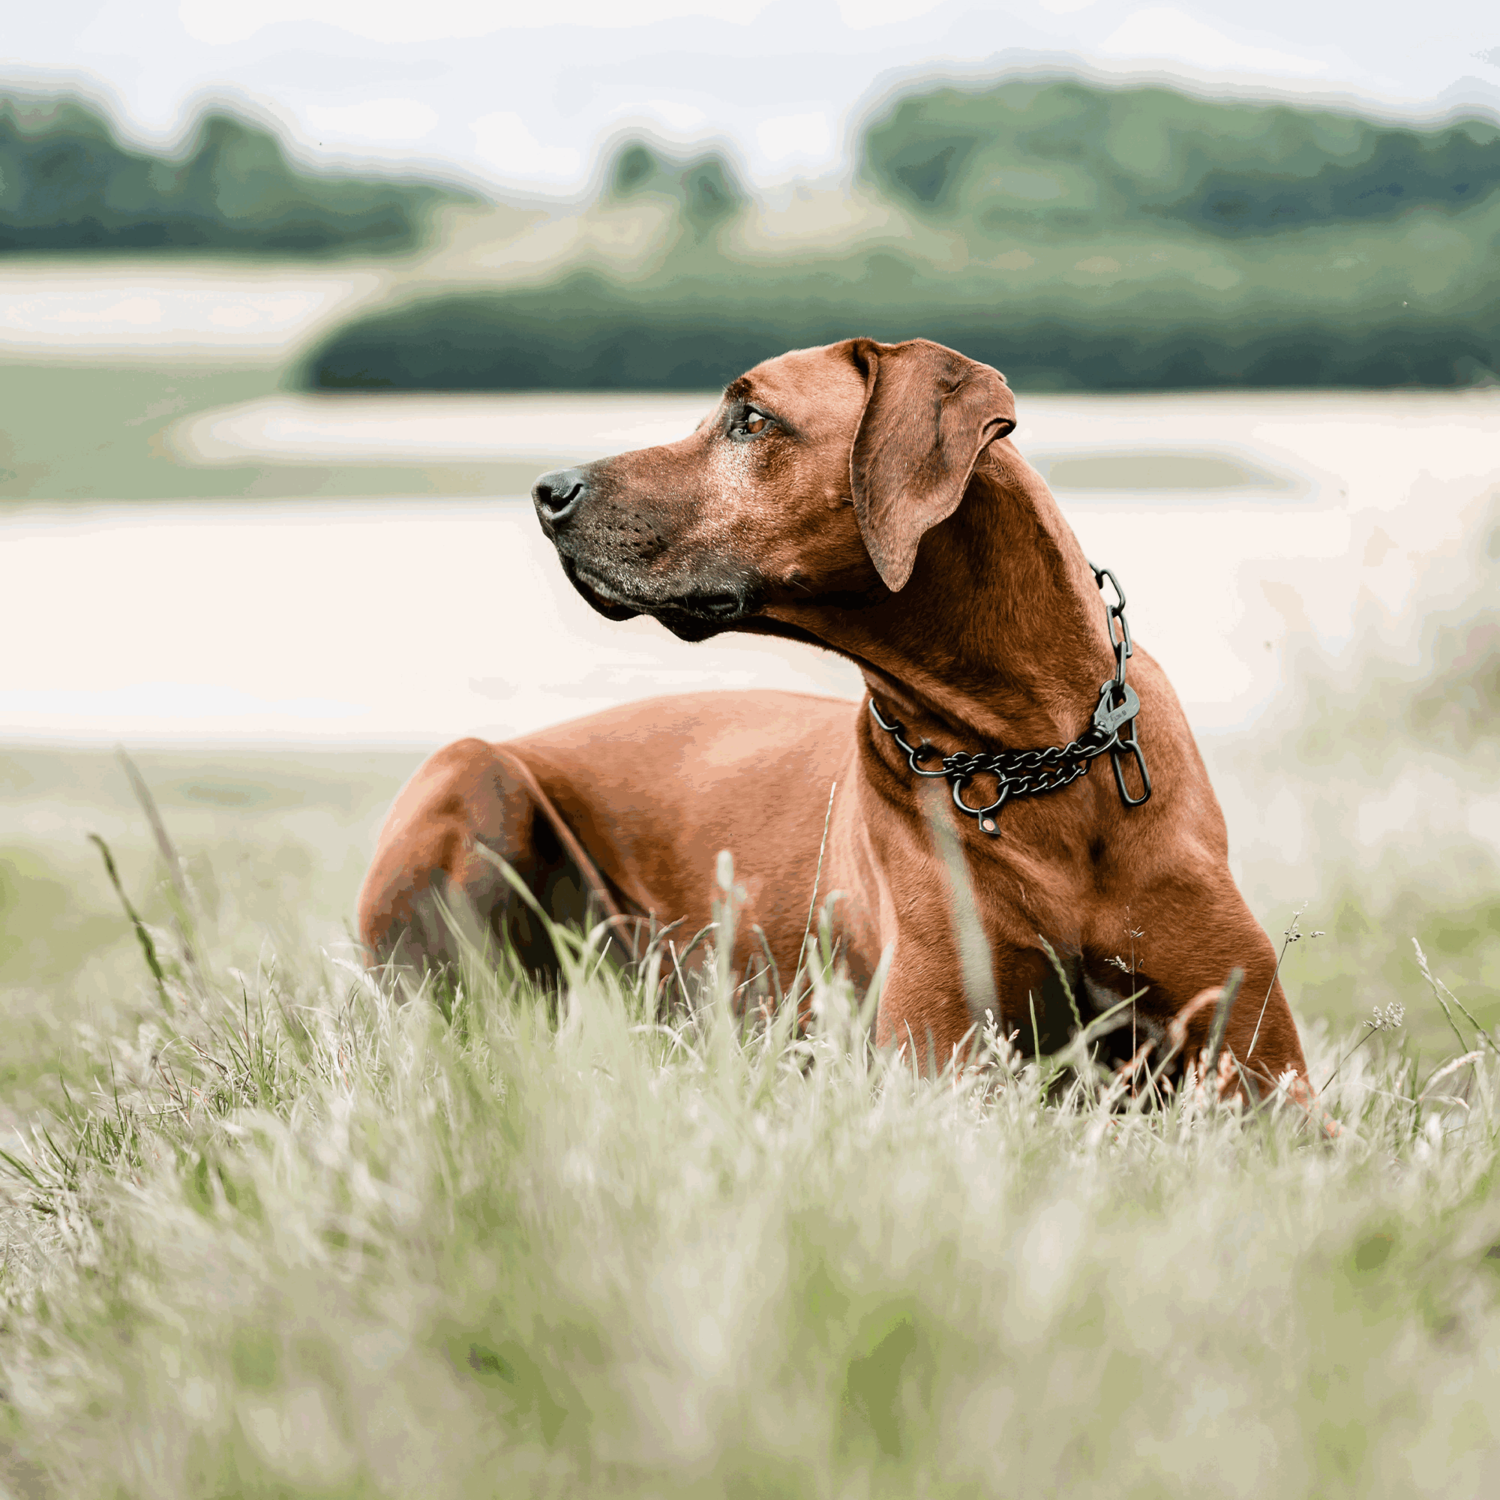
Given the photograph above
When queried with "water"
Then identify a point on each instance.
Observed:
(1236, 523)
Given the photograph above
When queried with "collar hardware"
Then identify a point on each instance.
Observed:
(1027, 773)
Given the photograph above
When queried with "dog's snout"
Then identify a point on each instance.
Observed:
(558, 495)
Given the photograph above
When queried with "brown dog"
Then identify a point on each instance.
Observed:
(862, 498)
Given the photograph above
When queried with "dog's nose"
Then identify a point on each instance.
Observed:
(558, 494)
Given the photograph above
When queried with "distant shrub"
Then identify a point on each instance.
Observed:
(706, 187)
(67, 183)
(1066, 155)
(587, 333)
(1076, 237)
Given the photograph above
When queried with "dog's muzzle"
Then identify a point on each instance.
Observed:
(616, 588)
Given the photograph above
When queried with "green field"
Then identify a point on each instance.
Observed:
(290, 1235)
(273, 1230)
(97, 430)
(276, 843)
(270, 1229)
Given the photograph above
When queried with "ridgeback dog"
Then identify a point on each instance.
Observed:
(863, 498)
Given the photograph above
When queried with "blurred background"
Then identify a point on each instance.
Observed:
(296, 302)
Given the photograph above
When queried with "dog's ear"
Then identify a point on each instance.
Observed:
(929, 413)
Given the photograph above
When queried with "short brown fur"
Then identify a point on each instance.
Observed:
(880, 512)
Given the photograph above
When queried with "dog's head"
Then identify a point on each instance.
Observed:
(815, 477)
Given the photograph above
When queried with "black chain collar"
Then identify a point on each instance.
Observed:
(1027, 773)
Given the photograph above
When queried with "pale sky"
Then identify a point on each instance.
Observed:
(523, 96)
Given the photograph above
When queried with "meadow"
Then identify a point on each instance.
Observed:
(275, 1226)
(302, 1233)
(271, 1228)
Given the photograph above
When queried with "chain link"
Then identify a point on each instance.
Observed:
(1028, 773)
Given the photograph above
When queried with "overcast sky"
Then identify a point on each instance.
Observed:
(522, 95)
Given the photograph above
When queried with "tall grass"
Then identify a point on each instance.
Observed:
(313, 1235)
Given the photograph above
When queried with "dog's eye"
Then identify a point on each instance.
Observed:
(749, 423)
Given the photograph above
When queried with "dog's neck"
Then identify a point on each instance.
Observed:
(1021, 661)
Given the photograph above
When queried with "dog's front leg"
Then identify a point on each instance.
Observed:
(1184, 939)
